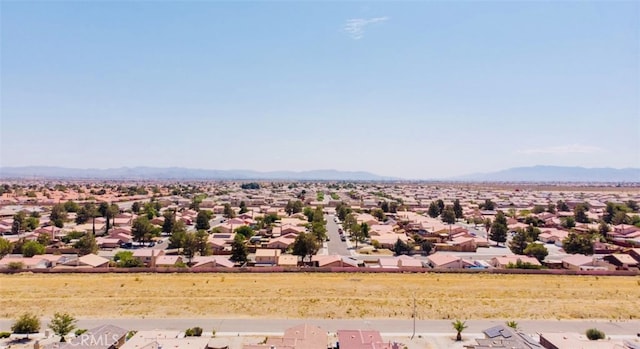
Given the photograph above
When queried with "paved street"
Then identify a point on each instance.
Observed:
(397, 327)
(335, 245)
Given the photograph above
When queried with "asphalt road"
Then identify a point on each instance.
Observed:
(259, 326)
(335, 245)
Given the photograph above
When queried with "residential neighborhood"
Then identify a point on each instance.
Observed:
(368, 226)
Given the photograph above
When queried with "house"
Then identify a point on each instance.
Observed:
(168, 261)
(94, 261)
(282, 243)
(297, 337)
(505, 261)
(622, 261)
(287, 261)
(563, 340)
(267, 257)
(363, 339)
(446, 261)
(157, 339)
(101, 337)
(27, 262)
(579, 262)
(366, 218)
(203, 262)
(147, 256)
(503, 337)
(333, 261)
(552, 236)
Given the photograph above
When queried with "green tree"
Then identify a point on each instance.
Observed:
(32, 223)
(202, 245)
(499, 229)
(86, 245)
(488, 205)
(135, 207)
(32, 248)
(319, 230)
(379, 214)
(512, 324)
(603, 228)
(578, 244)
(27, 323)
(202, 220)
(62, 324)
(633, 205)
(551, 208)
(190, 246)
(457, 209)
(434, 210)
(142, 230)
(59, 215)
(19, 222)
(125, 259)
(537, 209)
(349, 222)
(70, 206)
(243, 207)
(177, 238)
(360, 232)
(562, 206)
(169, 221)
(245, 231)
(568, 222)
(448, 215)
(459, 326)
(401, 247)
(343, 210)
(426, 246)
(305, 245)
(536, 250)
(44, 239)
(580, 213)
(5, 247)
(228, 211)
(87, 212)
(518, 242)
(239, 249)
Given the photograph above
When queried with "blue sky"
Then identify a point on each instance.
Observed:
(409, 89)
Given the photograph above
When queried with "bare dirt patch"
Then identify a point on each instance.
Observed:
(338, 296)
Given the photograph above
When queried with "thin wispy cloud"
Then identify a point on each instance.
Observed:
(355, 27)
(563, 149)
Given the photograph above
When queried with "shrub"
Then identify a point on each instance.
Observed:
(594, 334)
(193, 332)
(80, 331)
(5, 334)
(15, 266)
(25, 324)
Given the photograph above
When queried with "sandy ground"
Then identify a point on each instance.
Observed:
(322, 296)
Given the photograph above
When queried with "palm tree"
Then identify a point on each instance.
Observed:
(513, 324)
(459, 326)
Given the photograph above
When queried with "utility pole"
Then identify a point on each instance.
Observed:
(414, 317)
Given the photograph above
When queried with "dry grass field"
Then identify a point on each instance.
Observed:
(299, 295)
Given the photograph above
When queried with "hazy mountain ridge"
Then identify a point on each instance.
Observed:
(147, 173)
(556, 174)
(517, 174)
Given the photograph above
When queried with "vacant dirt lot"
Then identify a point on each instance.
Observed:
(298, 295)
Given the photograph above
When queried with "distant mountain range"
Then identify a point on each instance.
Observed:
(556, 174)
(150, 173)
(518, 174)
